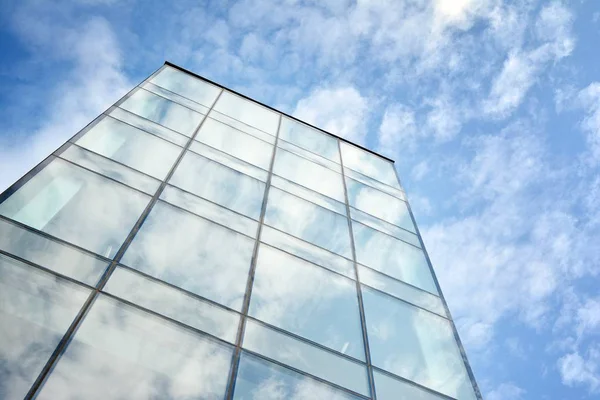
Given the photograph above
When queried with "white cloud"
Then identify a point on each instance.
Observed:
(589, 99)
(576, 370)
(340, 110)
(398, 129)
(420, 170)
(506, 391)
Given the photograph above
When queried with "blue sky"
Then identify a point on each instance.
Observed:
(491, 109)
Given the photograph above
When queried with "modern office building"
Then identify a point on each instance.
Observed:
(191, 243)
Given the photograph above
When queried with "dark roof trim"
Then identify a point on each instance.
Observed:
(274, 109)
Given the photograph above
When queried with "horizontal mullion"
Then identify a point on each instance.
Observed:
(243, 123)
(178, 94)
(399, 378)
(397, 280)
(236, 129)
(387, 234)
(382, 220)
(313, 153)
(227, 166)
(230, 155)
(173, 101)
(382, 183)
(107, 113)
(289, 367)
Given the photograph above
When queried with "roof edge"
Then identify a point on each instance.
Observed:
(187, 71)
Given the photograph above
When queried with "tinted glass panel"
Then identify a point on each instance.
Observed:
(392, 257)
(58, 201)
(308, 221)
(130, 146)
(374, 183)
(163, 111)
(307, 251)
(192, 253)
(385, 227)
(236, 143)
(229, 161)
(241, 126)
(415, 344)
(173, 303)
(369, 164)
(379, 204)
(36, 309)
(219, 184)
(186, 85)
(148, 126)
(389, 388)
(120, 352)
(307, 300)
(111, 169)
(306, 357)
(309, 138)
(248, 112)
(260, 379)
(309, 195)
(159, 90)
(309, 174)
(48, 253)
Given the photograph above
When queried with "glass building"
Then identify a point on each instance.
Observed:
(191, 243)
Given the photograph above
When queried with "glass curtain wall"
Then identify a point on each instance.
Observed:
(191, 243)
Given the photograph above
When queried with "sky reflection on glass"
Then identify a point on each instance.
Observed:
(181, 83)
(247, 112)
(309, 138)
(369, 164)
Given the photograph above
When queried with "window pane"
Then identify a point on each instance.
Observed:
(307, 300)
(148, 126)
(308, 194)
(306, 357)
(308, 221)
(220, 184)
(392, 257)
(229, 161)
(241, 126)
(48, 253)
(236, 143)
(36, 309)
(309, 138)
(389, 388)
(173, 303)
(386, 227)
(310, 156)
(248, 112)
(401, 290)
(206, 209)
(186, 85)
(58, 200)
(120, 352)
(307, 251)
(130, 146)
(374, 183)
(192, 253)
(369, 164)
(415, 344)
(379, 204)
(309, 174)
(175, 97)
(111, 169)
(163, 111)
(260, 379)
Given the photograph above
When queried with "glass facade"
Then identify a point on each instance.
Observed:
(192, 243)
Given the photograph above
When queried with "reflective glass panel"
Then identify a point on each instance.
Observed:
(309, 174)
(212, 211)
(58, 200)
(307, 251)
(374, 183)
(192, 253)
(369, 164)
(236, 143)
(217, 183)
(259, 379)
(308, 194)
(167, 94)
(306, 357)
(186, 85)
(385, 227)
(148, 126)
(51, 254)
(308, 221)
(36, 309)
(307, 300)
(241, 126)
(111, 169)
(229, 161)
(130, 146)
(310, 156)
(392, 257)
(120, 352)
(389, 388)
(401, 290)
(379, 204)
(415, 344)
(163, 111)
(248, 112)
(309, 138)
(173, 303)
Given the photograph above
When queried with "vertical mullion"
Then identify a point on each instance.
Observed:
(361, 308)
(62, 345)
(441, 295)
(249, 283)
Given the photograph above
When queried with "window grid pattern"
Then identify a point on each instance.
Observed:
(184, 143)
